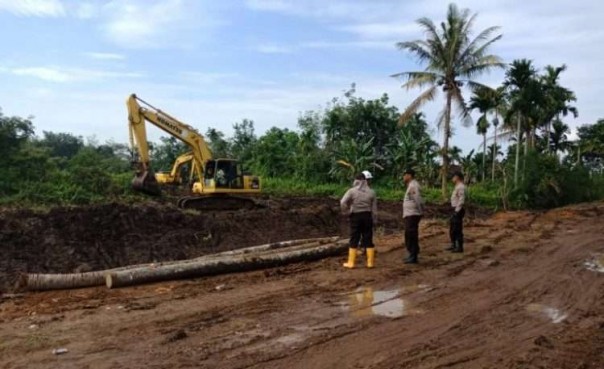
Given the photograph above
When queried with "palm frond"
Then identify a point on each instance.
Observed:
(435, 40)
(426, 96)
(475, 86)
(484, 65)
(418, 79)
(416, 47)
(475, 48)
(464, 114)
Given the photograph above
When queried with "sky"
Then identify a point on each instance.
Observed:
(71, 64)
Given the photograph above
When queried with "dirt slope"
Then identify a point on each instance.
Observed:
(72, 239)
(528, 293)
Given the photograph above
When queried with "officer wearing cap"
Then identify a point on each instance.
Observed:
(368, 177)
(458, 199)
(413, 210)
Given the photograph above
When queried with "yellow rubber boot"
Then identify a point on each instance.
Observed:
(352, 255)
(370, 257)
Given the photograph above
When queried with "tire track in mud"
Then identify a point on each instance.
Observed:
(487, 308)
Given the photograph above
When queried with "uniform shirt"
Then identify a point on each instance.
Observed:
(458, 197)
(359, 199)
(413, 203)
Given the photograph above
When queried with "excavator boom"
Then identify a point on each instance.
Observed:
(219, 182)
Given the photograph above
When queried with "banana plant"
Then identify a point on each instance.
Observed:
(352, 157)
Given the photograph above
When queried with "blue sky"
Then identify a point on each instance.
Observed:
(71, 64)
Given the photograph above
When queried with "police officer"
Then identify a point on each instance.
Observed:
(413, 210)
(458, 199)
(360, 203)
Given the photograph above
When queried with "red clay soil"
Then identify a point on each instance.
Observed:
(528, 293)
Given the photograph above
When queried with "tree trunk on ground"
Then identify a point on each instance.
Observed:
(518, 143)
(445, 152)
(238, 263)
(41, 282)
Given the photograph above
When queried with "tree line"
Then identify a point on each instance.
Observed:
(541, 167)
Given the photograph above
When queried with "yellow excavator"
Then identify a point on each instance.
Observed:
(173, 177)
(218, 184)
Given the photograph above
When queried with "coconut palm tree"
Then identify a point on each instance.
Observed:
(453, 58)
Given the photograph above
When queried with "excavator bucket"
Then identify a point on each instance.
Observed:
(145, 182)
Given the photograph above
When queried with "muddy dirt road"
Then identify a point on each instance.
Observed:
(528, 293)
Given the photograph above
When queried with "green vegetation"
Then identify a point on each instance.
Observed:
(541, 167)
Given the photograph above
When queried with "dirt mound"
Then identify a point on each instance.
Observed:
(79, 239)
(71, 239)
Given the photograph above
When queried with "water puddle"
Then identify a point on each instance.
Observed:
(387, 303)
(596, 264)
(553, 314)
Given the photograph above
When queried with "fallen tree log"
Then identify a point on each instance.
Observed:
(238, 263)
(277, 245)
(42, 282)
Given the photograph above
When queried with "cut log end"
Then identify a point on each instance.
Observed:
(109, 280)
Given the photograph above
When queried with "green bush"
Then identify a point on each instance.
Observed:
(546, 183)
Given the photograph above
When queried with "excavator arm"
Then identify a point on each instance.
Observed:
(173, 177)
(140, 112)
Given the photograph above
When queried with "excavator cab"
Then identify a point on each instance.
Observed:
(227, 175)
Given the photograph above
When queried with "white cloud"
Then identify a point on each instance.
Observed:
(86, 10)
(207, 78)
(33, 8)
(381, 44)
(47, 74)
(269, 5)
(333, 9)
(105, 56)
(63, 75)
(387, 30)
(274, 49)
(138, 24)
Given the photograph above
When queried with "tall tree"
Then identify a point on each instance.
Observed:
(218, 144)
(523, 87)
(453, 59)
(243, 140)
(500, 109)
(455, 154)
(359, 119)
(591, 145)
(558, 137)
(483, 100)
(557, 99)
(64, 145)
(467, 166)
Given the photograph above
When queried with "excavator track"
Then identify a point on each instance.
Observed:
(218, 203)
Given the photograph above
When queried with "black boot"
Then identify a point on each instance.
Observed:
(458, 247)
(412, 259)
